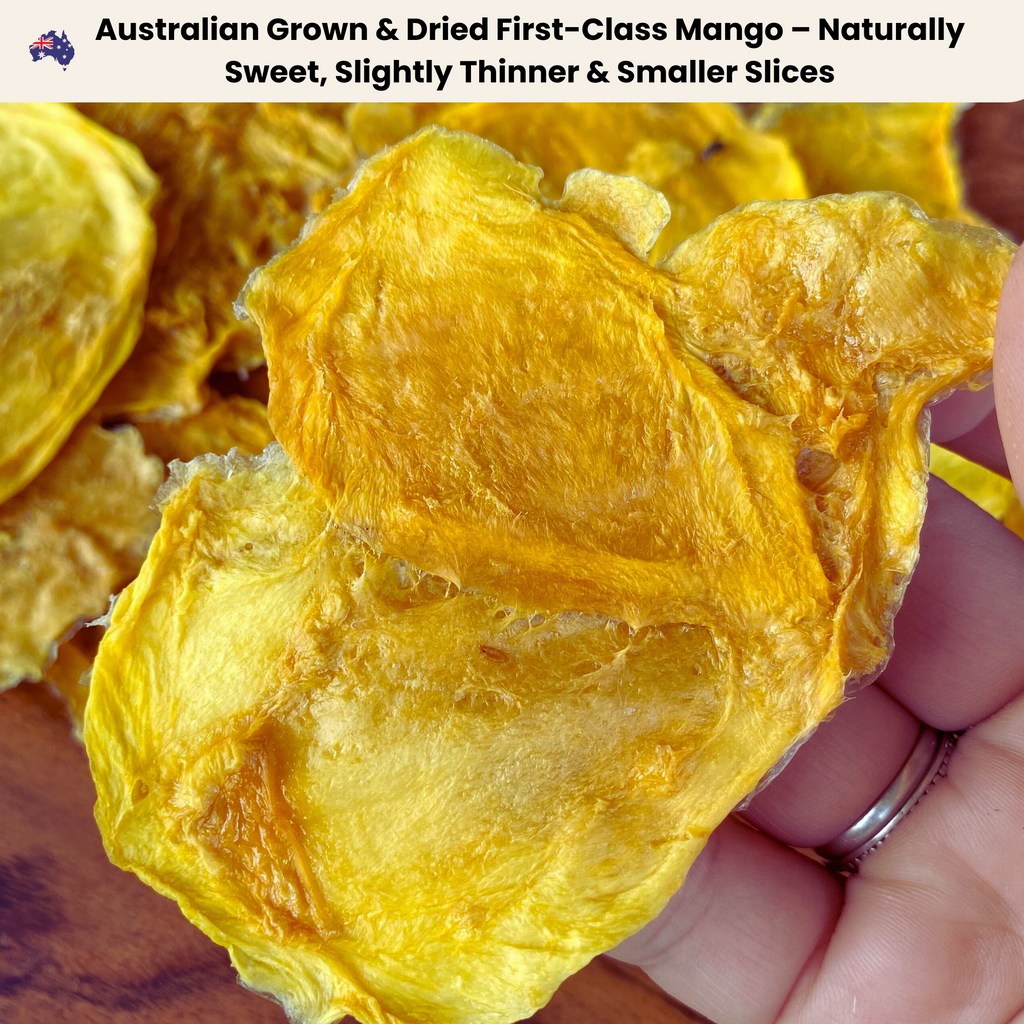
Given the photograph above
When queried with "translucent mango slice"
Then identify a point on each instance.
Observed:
(238, 182)
(69, 540)
(703, 157)
(994, 493)
(897, 147)
(386, 796)
(223, 424)
(571, 551)
(76, 243)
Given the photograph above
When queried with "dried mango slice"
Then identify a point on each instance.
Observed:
(77, 245)
(224, 423)
(576, 549)
(238, 183)
(514, 460)
(703, 157)
(898, 147)
(994, 493)
(397, 800)
(69, 540)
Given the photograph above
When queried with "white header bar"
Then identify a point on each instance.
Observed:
(315, 51)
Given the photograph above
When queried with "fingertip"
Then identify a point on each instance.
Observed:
(1009, 369)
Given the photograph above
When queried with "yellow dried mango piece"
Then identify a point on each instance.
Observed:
(238, 181)
(703, 157)
(572, 550)
(897, 147)
(77, 242)
(224, 423)
(396, 800)
(69, 540)
(994, 493)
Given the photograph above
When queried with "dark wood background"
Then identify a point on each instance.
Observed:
(81, 941)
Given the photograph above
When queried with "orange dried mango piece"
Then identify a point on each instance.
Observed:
(69, 540)
(898, 147)
(224, 423)
(238, 181)
(568, 552)
(703, 157)
(77, 242)
(515, 459)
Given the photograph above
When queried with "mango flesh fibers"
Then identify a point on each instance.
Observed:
(703, 157)
(76, 243)
(568, 551)
(386, 796)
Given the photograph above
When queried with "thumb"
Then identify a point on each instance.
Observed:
(1009, 370)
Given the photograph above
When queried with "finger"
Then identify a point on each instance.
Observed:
(838, 773)
(983, 444)
(932, 930)
(732, 942)
(960, 413)
(982, 441)
(959, 645)
(1009, 369)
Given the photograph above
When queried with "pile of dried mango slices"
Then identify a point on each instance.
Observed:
(591, 472)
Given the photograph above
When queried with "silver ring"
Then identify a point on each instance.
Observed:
(927, 762)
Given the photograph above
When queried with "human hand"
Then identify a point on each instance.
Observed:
(931, 929)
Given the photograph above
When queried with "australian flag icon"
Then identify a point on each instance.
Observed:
(49, 44)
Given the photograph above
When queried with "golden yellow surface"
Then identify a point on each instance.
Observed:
(223, 424)
(238, 181)
(69, 540)
(76, 243)
(560, 457)
(994, 493)
(703, 157)
(897, 147)
(572, 550)
(398, 800)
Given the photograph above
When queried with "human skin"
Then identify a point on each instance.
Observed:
(931, 929)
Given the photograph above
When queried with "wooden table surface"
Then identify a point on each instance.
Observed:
(81, 941)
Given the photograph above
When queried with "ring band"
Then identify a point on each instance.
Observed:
(926, 762)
